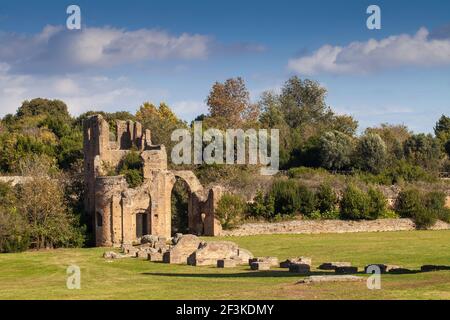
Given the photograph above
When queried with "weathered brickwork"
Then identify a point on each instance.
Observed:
(121, 214)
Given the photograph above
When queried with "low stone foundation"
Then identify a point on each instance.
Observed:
(327, 226)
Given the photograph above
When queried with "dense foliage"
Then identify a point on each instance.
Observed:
(314, 142)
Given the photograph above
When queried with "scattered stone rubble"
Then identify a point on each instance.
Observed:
(319, 279)
(272, 261)
(287, 263)
(334, 265)
(190, 249)
(384, 268)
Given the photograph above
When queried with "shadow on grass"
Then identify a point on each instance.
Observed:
(249, 274)
(264, 274)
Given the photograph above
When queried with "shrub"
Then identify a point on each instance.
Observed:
(307, 200)
(306, 173)
(291, 197)
(262, 206)
(377, 204)
(424, 209)
(131, 167)
(333, 214)
(388, 214)
(230, 210)
(285, 197)
(354, 204)
(14, 233)
(326, 198)
(424, 218)
(435, 201)
(408, 202)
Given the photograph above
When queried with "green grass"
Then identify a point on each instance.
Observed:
(42, 275)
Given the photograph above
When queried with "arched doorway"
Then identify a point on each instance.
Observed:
(180, 198)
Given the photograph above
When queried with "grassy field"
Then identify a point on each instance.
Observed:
(42, 275)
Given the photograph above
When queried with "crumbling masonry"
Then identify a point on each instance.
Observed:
(121, 214)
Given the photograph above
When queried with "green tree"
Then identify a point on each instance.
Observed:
(355, 204)
(423, 150)
(371, 153)
(335, 150)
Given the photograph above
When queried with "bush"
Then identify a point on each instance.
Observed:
(354, 204)
(230, 210)
(306, 173)
(263, 206)
(14, 234)
(377, 204)
(131, 167)
(435, 201)
(408, 203)
(423, 209)
(424, 218)
(388, 214)
(326, 198)
(307, 200)
(284, 193)
(291, 197)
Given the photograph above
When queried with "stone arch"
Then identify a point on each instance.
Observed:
(195, 223)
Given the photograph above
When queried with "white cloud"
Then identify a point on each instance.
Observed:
(188, 110)
(363, 57)
(80, 92)
(56, 48)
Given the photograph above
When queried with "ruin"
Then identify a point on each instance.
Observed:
(120, 214)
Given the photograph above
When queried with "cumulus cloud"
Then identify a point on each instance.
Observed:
(56, 48)
(421, 50)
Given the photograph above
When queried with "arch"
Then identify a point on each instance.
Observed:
(195, 190)
(190, 178)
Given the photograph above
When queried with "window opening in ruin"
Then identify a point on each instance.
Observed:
(179, 201)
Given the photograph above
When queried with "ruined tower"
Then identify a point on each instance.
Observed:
(120, 214)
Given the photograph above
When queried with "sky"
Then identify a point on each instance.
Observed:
(129, 52)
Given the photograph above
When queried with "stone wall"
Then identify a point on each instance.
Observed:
(327, 226)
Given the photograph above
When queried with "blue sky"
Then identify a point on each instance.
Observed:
(129, 52)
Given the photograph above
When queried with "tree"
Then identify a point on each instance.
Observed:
(423, 150)
(442, 132)
(229, 103)
(335, 150)
(42, 203)
(161, 121)
(393, 136)
(46, 107)
(303, 101)
(371, 153)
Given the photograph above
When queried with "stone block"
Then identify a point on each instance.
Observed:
(273, 261)
(260, 265)
(320, 279)
(288, 262)
(226, 263)
(185, 247)
(346, 270)
(210, 252)
(300, 268)
(142, 254)
(334, 265)
(383, 267)
(155, 256)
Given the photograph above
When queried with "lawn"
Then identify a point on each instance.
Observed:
(42, 275)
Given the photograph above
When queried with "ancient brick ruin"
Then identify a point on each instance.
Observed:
(120, 214)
